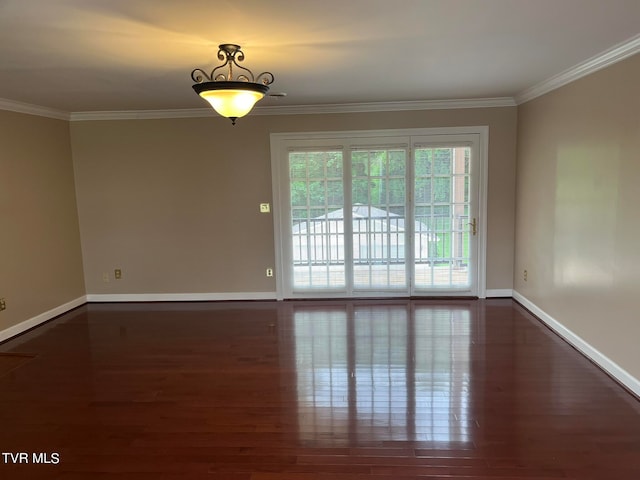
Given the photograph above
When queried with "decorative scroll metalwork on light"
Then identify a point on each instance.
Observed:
(231, 96)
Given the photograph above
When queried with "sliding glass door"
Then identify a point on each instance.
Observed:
(375, 214)
(316, 191)
(444, 216)
(378, 218)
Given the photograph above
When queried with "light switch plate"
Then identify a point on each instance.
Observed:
(265, 208)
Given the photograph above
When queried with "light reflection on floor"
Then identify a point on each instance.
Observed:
(395, 373)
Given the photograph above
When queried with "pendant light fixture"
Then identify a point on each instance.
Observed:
(231, 96)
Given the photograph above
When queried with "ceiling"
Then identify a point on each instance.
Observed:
(127, 55)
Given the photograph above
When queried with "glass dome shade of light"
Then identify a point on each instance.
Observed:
(231, 99)
(232, 90)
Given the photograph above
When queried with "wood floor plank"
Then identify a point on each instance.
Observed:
(335, 390)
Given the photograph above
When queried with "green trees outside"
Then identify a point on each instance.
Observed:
(316, 183)
(378, 178)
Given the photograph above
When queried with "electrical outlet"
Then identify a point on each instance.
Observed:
(524, 275)
(3, 304)
(269, 272)
(117, 273)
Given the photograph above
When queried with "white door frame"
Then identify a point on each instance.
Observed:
(281, 144)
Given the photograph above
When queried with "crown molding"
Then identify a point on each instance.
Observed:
(300, 109)
(613, 55)
(141, 114)
(386, 106)
(29, 109)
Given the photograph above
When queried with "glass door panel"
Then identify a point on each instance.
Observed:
(316, 187)
(442, 217)
(379, 198)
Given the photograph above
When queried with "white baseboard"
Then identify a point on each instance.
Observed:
(179, 297)
(499, 292)
(148, 297)
(39, 319)
(604, 362)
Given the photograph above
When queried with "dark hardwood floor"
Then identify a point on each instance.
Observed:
(380, 390)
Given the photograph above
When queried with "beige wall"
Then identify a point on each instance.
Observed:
(41, 265)
(578, 227)
(174, 202)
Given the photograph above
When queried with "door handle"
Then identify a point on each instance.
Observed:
(474, 228)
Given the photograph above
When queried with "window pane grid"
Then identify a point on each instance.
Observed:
(317, 230)
(377, 239)
(379, 198)
(441, 214)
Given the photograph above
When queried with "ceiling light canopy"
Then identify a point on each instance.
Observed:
(230, 96)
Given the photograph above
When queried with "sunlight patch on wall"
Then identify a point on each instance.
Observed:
(586, 216)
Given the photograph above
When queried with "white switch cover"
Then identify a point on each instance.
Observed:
(265, 208)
